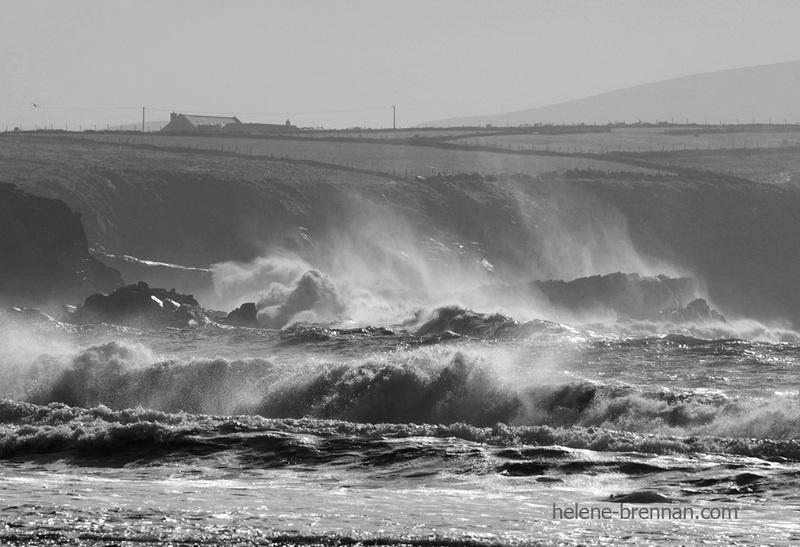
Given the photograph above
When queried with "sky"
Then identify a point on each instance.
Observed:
(345, 63)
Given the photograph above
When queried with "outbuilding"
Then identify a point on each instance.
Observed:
(181, 123)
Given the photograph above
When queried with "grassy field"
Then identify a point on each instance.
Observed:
(411, 133)
(395, 154)
(634, 140)
(774, 166)
(404, 160)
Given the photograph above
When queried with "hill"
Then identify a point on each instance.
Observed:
(257, 223)
(757, 93)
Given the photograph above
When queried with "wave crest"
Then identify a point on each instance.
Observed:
(116, 437)
(438, 384)
(465, 322)
(406, 392)
(114, 374)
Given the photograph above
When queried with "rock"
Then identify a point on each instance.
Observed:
(699, 309)
(44, 254)
(245, 315)
(642, 496)
(696, 311)
(631, 297)
(140, 306)
(627, 295)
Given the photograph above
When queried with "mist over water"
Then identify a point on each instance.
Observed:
(374, 265)
(580, 235)
(393, 352)
(375, 269)
(445, 366)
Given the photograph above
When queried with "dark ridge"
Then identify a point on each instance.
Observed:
(628, 295)
(44, 255)
(243, 316)
(141, 306)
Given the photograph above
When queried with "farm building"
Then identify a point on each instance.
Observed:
(261, 128)
(179, 123)
(186, 123)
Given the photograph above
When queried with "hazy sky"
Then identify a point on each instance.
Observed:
(99, 62)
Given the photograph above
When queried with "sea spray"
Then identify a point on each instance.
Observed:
(374, 265)
(518, 382)
(314, 299)
(130, 434)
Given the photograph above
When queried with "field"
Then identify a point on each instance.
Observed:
(400, 159)
(773, 166)
(767, 156)
(764, 156)
(634, 140)
(412, 133)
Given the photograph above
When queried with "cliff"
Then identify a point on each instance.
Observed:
(44, 256)
(627, 295)
(430, 237)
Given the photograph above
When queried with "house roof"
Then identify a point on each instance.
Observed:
(198, 121)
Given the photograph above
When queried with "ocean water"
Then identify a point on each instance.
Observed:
(467, 429)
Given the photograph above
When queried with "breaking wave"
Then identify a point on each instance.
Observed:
(117, 437)
(465, 322)
(440, 384)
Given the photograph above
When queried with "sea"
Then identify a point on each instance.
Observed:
(454, 427)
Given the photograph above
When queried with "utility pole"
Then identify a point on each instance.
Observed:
(142, 119)
(394, 118)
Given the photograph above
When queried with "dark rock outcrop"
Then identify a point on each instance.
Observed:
(658, 298)
(696, 311)
(245, 315)
(44, 255)
(626, 295)
(140, 306)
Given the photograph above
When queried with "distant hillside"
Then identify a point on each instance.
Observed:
(744, 94)
(264, 218)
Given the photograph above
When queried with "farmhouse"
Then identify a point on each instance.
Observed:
(179, 123)
(190, 123)
(261, 128)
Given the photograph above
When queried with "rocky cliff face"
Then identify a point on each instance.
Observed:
(141, 306)
(739, 239)
(44, 256)
(627, 295)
